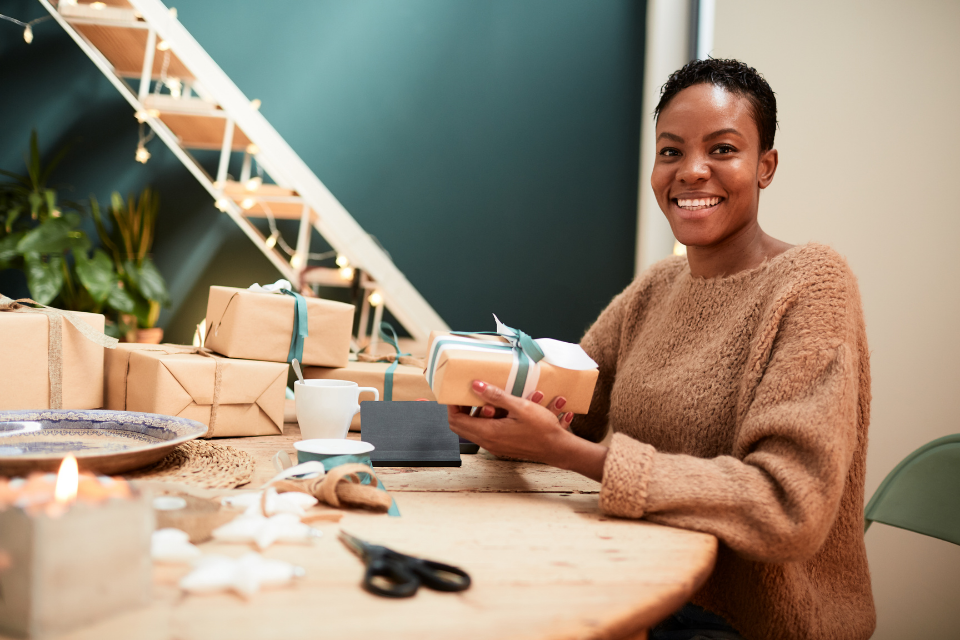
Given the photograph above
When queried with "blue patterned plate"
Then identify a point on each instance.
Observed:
(103, 441)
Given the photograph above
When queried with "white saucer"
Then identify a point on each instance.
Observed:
(333, 447)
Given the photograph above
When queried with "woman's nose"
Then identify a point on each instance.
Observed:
(693, 168)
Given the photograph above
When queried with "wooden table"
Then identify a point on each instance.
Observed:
(545, 564)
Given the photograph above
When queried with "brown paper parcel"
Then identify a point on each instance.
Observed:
(408, 381)
(177, 381)
(258, 326)
(24, 358)
(456, 370)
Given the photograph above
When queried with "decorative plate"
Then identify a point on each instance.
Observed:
(103, 441)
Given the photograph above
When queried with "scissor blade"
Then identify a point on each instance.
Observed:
(354, 543)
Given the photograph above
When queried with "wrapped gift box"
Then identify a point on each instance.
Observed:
(25, 362)
(180, 381)
(259, 326)
(452, 369)
(408, 381)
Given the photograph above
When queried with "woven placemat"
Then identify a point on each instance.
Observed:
(200, 463)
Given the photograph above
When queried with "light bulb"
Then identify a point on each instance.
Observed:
(375, 299)
(346, 273)
(56, 213)
(342, 260)
(142, 154)
(679, 249)
(253, 149)
(163, 45)
(173, 12)
(271, 242)
(255, 104)
(98, 5)
(254, 183)
(247, 203)
(296, 261)
(222, 204)
(28, 34)
(175, 87)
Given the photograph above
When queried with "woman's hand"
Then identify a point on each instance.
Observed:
(527, 431)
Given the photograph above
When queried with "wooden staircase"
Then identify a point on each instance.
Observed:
(177, 90)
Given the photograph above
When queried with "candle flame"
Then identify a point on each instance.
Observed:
(67, 480)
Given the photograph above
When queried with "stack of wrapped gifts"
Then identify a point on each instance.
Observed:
(397, 376)
(235, 384)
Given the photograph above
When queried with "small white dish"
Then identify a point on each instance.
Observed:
(333, 447)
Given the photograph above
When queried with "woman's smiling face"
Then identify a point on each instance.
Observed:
(709, 167)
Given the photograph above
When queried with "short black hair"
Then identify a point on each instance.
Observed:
(737, 78)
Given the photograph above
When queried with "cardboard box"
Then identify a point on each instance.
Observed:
(455, 370)
(177, 381)
(408, 381)
(24, 357)
(258, 326)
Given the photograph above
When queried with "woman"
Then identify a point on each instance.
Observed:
(736, 382)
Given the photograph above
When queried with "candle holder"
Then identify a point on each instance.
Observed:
(68, 564)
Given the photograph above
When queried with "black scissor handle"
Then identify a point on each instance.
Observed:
(439, 576)
(401, 581)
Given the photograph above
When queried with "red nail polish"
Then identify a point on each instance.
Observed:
(568, 418)
(560, 402)
(487, 412)
(479, 386)
(536, 397)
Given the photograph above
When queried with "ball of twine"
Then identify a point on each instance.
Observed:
(201, 463)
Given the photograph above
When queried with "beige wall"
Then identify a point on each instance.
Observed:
(869, 140)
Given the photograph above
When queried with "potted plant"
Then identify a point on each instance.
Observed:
(128, 241)
(38, 234)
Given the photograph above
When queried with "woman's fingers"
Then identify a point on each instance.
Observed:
(556, 406)
(497, 397)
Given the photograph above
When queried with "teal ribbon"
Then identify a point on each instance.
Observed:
(522, 345)
(329, 462)
(394, 342)
(300, 329)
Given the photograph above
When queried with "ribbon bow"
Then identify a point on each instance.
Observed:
(519, 340)
(55, 340)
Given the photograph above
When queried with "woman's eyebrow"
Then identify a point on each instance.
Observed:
(671, 136)
(720, 132)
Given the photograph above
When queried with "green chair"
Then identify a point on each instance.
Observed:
(922, 493)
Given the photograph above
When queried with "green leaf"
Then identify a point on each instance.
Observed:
(12, 214)
(51, 198)
(54, 235)
(45, 279)
(33, 163)
(97, 275)
(35, 203)
(121, 300)
(8, 248)
(152, 284)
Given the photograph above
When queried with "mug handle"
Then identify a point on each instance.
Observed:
(376, 394)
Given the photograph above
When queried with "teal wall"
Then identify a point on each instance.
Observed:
(490, 145)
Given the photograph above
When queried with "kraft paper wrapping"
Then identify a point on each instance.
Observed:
(258, 326)
(455, 371)
(177, 381)
(408, 381)
(24, 357)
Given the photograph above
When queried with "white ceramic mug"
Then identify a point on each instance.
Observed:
(326, 407)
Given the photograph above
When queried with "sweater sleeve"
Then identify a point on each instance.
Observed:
(602, 343)
(776, 498)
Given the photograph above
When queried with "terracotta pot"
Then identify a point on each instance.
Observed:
(150, 336)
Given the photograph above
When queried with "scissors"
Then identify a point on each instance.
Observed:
(395, 575)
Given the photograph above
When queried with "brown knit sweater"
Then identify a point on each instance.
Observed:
(739, 407)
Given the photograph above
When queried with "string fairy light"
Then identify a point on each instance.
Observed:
(27, 26)
(142, 155)
(275, 239)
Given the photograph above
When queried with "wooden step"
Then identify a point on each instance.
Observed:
(284, 203)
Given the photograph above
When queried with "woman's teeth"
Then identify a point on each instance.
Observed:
(697, 203)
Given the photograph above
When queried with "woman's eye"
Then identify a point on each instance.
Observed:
(724, 148)
(669, 151)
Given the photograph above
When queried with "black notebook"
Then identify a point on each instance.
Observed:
(409, 434)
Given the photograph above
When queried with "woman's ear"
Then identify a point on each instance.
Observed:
(767, 167)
